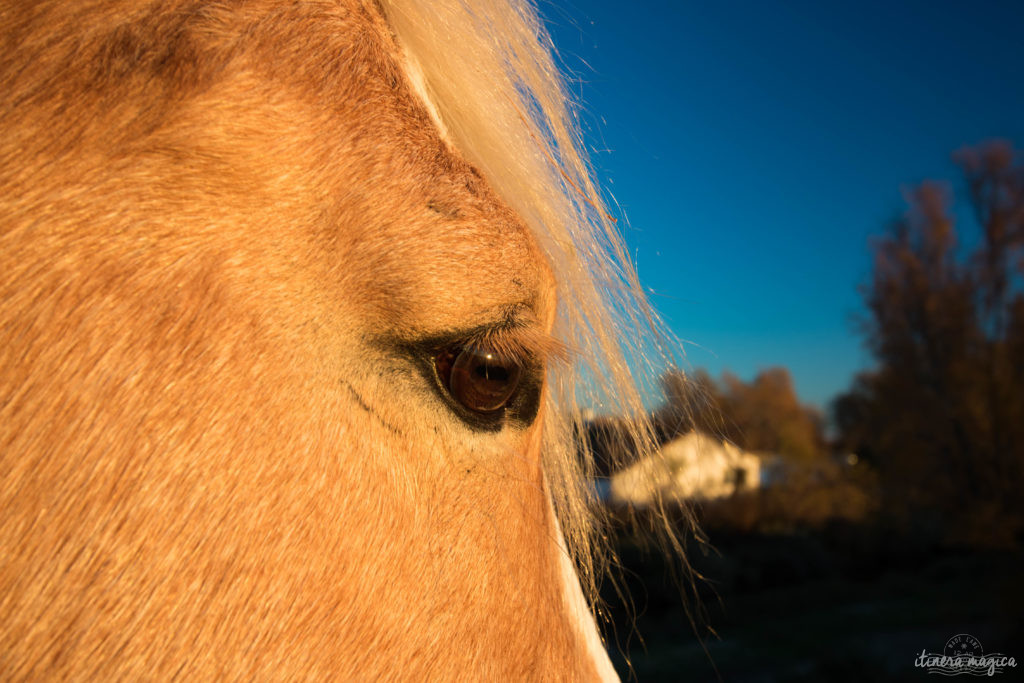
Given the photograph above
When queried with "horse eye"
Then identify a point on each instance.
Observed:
(478, 378)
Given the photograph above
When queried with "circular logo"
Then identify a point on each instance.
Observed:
(963, 645)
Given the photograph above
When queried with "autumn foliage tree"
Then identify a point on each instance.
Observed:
(764, 415)
(941, 416)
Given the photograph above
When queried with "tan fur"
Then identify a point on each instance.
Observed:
(216, 222)
(488, 70)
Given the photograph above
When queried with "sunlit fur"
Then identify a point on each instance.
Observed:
(224, 229)
(504, 105)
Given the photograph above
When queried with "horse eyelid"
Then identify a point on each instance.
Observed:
(524, 343)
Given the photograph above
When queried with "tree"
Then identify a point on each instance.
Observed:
(942, 413)
(764, 415)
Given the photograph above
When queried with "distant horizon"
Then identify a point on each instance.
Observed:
(751, 152)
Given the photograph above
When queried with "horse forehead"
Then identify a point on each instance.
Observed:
(406, 225)
(427, 269)
(430, 241)
(410, 230)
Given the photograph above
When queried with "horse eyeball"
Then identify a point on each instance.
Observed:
(479, 378)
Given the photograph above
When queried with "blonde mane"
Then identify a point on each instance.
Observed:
(488, 72)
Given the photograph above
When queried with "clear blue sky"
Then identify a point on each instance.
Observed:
(754, 147)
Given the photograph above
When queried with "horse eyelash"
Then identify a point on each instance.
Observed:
(520, 343)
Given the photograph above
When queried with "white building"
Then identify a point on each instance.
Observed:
(694, 465)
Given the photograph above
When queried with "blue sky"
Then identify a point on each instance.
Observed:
(754, 147)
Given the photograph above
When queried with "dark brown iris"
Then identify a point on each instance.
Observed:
(478, 378)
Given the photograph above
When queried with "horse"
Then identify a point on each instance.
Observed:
(298, 305)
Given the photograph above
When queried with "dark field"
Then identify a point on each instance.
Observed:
(844, 603)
